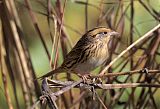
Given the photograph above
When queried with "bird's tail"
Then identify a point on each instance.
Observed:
(57, 70)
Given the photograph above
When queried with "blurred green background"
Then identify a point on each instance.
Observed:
(74, 17)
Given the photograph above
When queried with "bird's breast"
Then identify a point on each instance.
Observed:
(93, 62)
(100, 58)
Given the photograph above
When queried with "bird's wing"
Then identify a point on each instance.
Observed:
(75, 55)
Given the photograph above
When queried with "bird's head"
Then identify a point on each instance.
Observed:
(102, 34)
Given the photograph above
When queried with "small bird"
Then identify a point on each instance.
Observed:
(91, 51)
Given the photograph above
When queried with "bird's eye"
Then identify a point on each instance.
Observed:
(101, 34)
(104, 32)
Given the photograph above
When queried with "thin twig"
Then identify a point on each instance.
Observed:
(86, 16)
(125, 73)
(100, 100)
(54, 40)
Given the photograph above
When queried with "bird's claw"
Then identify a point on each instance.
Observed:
(85, 77)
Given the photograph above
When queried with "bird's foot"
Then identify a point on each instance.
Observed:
(85, 77)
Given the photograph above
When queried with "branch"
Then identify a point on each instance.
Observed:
(145, 71)
(58, 84)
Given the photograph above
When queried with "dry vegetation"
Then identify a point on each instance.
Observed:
(130, 81)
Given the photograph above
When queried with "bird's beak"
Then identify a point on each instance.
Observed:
(114, 33)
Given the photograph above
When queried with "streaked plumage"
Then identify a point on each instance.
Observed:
(90, 52)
